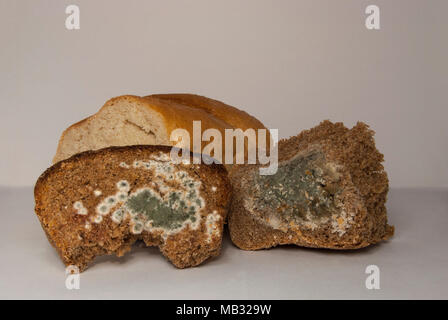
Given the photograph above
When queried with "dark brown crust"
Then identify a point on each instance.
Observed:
(363, 180)
(184, 249)
(80, 155)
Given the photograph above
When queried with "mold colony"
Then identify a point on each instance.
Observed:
(80, 209)
(212, 225)
(157, 206)
(303, 192)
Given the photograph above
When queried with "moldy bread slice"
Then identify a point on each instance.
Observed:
(101, 202)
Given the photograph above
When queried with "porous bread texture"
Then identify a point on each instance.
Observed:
(133, 120)
(329, 192)
(101, 202)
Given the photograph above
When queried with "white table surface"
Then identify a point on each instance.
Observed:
(413, 264)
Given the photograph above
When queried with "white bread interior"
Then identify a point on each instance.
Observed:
(119, 123)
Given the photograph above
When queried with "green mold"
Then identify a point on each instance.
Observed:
(170, 214)
(298, 190)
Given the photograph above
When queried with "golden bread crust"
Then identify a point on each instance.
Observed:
(178, 111)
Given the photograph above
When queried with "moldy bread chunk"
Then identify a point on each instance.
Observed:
(329, 192)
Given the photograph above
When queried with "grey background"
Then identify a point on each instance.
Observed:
(289, 63)
(413, 264)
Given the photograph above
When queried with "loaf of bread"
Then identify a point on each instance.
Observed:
(101, 202)
(132, 120)
(329, 192)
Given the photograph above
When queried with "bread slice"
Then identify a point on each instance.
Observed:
(101, 202)
(133, 120)
(329, 192)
